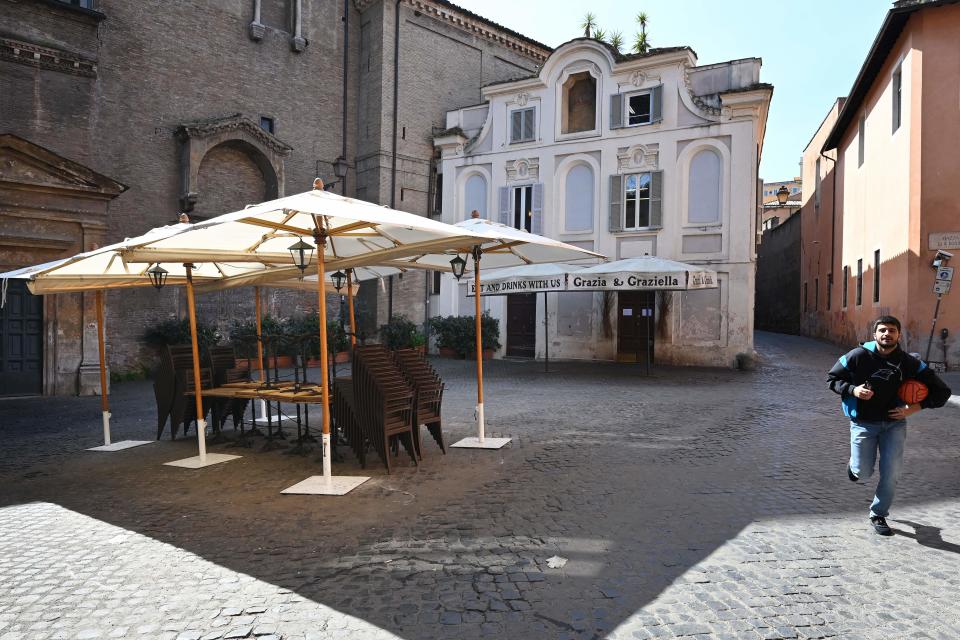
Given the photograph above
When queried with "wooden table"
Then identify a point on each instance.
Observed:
(307, 393)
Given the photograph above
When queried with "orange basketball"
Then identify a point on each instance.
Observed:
(912, 391)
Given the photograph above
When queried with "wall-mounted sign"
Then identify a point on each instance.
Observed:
(948, 240)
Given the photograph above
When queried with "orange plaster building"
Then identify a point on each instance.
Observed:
(881, 181)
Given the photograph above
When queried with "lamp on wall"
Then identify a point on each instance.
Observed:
(783, 194)
(302, 253)
(458, 264)
(158, 276)
(340, 167)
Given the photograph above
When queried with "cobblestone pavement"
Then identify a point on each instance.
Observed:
(692, 503)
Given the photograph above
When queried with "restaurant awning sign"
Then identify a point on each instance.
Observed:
(517, 285)
(646, 282)
(646, 273)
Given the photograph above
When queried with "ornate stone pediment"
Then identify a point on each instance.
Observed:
(25, 163)
(230, 126)
(198, 138)
(639, 157)
(523, 169)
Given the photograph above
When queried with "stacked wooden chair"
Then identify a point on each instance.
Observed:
(428, 389)
(174, 389)
(376, 406)
(223, 365)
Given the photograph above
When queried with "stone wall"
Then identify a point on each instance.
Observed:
(124, 89)
(778, 279)
(441, 67)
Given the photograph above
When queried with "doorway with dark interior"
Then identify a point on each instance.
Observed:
(522, 325)
(635, 326)
(21, 342)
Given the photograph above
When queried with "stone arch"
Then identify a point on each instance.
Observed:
(231, 134)
(232, 175)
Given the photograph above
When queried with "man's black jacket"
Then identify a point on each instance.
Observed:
(885, 374)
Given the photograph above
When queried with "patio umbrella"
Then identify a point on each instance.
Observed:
(345, 233)
(514, 247)
(528, 278)
(107, 268)
(97, 270)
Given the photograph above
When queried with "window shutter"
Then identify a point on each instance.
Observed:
(536, 225)
(656, 103)
(528, 124)
(516, 124)
(656, 198)
(616, 200)
(616, 111)
(505, 210)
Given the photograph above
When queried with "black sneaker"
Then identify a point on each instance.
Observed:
(850, 474)
(880, 525)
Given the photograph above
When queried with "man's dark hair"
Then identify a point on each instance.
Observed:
(886, 320)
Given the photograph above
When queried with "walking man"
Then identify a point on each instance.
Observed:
(867, 380)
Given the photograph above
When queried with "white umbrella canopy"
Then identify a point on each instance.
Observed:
(109, 268)
(282, 235)
(510, 247)
(507, 247)
(646, 273)
(356, 233)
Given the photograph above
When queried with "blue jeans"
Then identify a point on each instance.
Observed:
(887, 437)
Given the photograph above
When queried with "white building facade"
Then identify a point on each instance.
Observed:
(627, 156)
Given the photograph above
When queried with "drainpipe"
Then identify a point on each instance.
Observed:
(833, 225)
(346, 74)
(396, 102)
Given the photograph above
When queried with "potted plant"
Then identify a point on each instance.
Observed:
(177, 331)
(419, 342)
(243, 339)
(448, 331)
(401, 333)
(456, 335)
(338, 342)
(490, 332)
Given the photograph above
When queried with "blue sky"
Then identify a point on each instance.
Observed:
(811, 50)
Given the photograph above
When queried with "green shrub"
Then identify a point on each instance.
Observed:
(289, 335)
(459, 332)
(398, 333)
(175, 331)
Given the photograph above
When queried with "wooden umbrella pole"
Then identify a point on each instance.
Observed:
(320, 237)
(104, 394)
(256, 297)
(201, 423)
(353, 324)
(479, 341)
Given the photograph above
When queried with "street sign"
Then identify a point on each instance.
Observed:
(945, 273)
(948, 240)
(941, 287)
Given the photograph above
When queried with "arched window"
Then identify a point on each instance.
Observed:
(475, 196)
(579, 103)
(578, 199)
(704, 188)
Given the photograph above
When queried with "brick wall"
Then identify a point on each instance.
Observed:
(158, 68)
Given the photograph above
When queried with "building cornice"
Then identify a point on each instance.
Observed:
(472, 24)
(36, 55)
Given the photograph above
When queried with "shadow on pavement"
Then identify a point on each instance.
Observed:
(634, 480)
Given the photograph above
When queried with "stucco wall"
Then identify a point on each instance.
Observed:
(686, 128)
